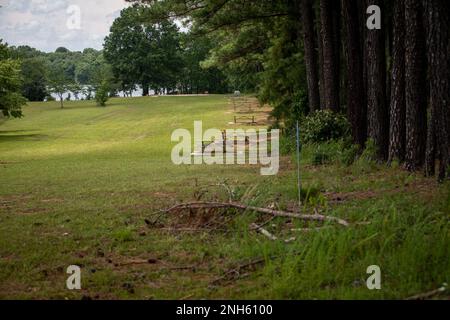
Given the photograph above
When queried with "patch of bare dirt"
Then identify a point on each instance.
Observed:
(425, 188)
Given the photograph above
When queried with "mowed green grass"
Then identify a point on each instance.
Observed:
(76, 186)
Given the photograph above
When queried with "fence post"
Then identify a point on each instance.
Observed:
(299, 185)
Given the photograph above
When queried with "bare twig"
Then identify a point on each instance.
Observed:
(228, 189)
(192, 229)
(430, 294)
(310, 229)
(263, 231)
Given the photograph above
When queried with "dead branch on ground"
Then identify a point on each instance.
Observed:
(238, 206)
(430, 294)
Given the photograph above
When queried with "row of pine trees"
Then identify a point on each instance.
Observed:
(394, 81)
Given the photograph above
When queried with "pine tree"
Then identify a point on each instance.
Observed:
(310, 54)
(397, 103)
(415, 79)
(438, 30)
(356, 111)
(377, 111)
(331, 86)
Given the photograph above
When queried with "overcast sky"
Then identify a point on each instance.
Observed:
(43, 24)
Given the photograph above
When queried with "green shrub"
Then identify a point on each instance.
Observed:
(325, 152)
(370, 152)
(324, 125)
(101, 96)
(287, 145)
(321, 156)
(349, 154)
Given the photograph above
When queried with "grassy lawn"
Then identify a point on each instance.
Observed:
(77, 186)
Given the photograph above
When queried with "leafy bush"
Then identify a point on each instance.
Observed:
(101, 96)
(349, 154)
(325, 153)
(287, 145)
(324, 125)
(342, 152)
(321, 156)
(288, 110)
(370, 152)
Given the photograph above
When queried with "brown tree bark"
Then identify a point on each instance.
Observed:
(438, 28)
(331, 87)
(397, 132)
(415, 78)
(377, 111)
(356, 111)
(431, 148)
(320, 54)
(337, 47)
(310, 54)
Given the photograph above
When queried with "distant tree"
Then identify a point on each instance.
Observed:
(143, 53)
(197, 76)
(59, 83)
(87, 64)
(34, 76)
(62, 50)
(102, 93)
(25, 52)
(11, 99)
(105, 85)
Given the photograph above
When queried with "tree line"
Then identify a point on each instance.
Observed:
(156, 56)
(391, 82)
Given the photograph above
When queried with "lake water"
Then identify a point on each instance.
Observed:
(135, 93)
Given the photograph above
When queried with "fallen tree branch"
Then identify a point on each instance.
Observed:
(325, 227)
(192, 229)
(276, 213)
(263, 231)
(428, 295)
(310, 229)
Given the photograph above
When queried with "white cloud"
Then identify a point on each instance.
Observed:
(43, 23)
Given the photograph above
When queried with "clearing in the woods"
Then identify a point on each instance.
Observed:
(83, 186)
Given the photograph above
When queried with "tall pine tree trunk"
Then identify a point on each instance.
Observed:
(397, 131)
(431, 148)
(439, 72)
(331, 87)
(320, 53)
(336, 19)
(377, 111)
(356, 112)
(415, 78)
(310, 54)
